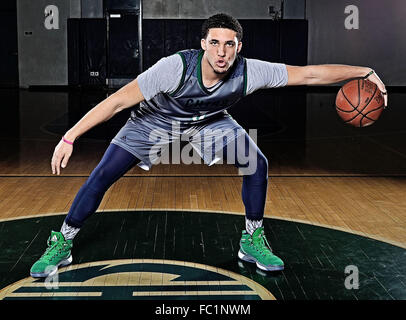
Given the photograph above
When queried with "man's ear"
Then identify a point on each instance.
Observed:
(239, 46)
(203, 44)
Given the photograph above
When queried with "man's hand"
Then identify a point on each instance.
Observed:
(61, 156)
(375, 79)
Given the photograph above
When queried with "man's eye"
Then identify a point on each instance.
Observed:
(213, 43)
(230, 44)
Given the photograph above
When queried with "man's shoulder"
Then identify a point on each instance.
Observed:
(261, 63)
(189, 54)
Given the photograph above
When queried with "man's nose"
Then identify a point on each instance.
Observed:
(221, 51)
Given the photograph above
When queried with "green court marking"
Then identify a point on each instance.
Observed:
(315, 257)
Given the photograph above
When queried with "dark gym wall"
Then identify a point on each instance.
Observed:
(8, 48)
(380, 41)
(198, 9)
(287, 39)
(42, 53)
(39, 47)
(91, 8)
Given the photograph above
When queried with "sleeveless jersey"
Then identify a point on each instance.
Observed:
(191, 102)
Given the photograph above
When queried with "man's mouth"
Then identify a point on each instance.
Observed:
(221, 63)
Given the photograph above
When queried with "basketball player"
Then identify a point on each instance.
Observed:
(188, 93)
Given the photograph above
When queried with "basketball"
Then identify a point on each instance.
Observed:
(359, 103)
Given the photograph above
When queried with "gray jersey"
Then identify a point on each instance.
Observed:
(191, 102)
(173, 87)
(166, 74)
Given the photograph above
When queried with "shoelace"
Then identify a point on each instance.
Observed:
(47, 254)
(264, 245)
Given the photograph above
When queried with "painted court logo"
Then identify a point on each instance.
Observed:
(139, 279)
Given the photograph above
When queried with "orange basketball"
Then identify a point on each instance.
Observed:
(359, 102)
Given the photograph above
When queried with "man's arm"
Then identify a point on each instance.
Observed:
(164, 76)
(126, 97)
(331, 73)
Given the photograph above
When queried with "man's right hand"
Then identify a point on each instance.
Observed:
(61, 156)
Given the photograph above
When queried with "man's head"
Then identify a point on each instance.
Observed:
(222, 20)
(221, 41)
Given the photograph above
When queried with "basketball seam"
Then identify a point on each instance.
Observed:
(345, 111)
(354, 108)
(342, 91)
(365, 115)
(359, 102)
(359, 95)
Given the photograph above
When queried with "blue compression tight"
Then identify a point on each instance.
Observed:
(117, 161)
(255, 179)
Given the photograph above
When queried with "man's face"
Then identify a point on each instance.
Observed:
(221, 47)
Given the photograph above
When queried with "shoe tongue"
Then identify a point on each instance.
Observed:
(56, 237)
(257, 232)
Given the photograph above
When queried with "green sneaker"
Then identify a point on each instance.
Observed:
(256, 249)
(57, 254)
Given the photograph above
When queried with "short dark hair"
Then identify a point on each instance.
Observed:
(222, 20)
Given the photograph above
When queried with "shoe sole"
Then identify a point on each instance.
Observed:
(261, 266)
(54, 270)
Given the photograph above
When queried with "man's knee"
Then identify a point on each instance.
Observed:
(257, 165)
(262, 164)
(261, 170)
(99, 180)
